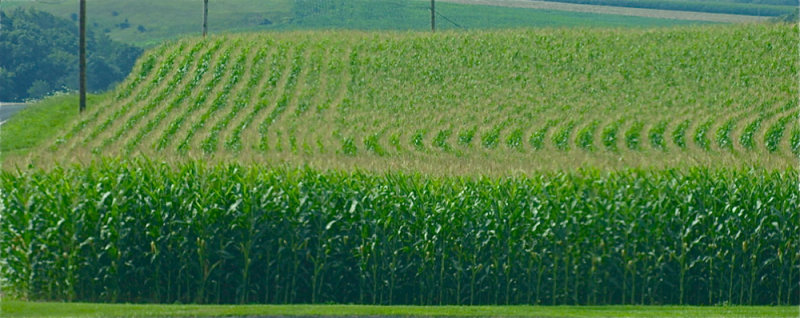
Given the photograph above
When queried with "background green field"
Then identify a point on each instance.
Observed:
(162, 20)
(746, 7)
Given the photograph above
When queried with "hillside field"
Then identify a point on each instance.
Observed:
(470, 102)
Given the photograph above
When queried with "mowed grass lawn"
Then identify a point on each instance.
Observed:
(33, 309)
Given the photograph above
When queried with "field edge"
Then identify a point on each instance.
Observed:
(17, 308)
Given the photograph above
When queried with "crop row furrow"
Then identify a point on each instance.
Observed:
(147, 65)
(174, 83)
(308, 96)
(166, 67)
(241, 102)
(336, 91)
(189, 64)
(201, 96)
(143, 71)
(220, 101)
(285, 99)
(775, 132)
(273, 85)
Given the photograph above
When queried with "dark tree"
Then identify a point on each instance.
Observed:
(40, 55)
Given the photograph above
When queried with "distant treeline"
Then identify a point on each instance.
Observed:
(40, 54)
(745, 7)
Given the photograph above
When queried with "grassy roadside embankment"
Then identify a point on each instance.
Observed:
(38, 122)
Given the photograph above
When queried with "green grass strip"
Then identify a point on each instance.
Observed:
(31, 309)
(39, 122)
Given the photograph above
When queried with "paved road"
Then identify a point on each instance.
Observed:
(9, 109)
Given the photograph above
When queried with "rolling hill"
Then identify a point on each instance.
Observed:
(477, 101)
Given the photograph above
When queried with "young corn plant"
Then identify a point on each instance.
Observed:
(491, 138)
(514, 139)
(656, 135)
(774, 133)
(794, 141)
(585, 136)
(609, 135)
(701, 135)
(394, 140)
(747, 139)
(465, 137)
(561, 136)
(633, 135)
(723, 134)
(679, 134)
(440, 141)
(418, 139)
(372, 144)
(538, 136)
(349, 146)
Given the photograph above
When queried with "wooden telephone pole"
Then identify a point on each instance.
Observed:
(82, 58)
(433, 15)
(205, 17)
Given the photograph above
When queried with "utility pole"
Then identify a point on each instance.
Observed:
(82, 58)
(205, 17)
(433, 15)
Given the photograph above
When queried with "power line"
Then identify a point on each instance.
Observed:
(451, 21)
(438, 12)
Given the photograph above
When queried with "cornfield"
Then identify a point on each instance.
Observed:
(521, 98)
(122, 231)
